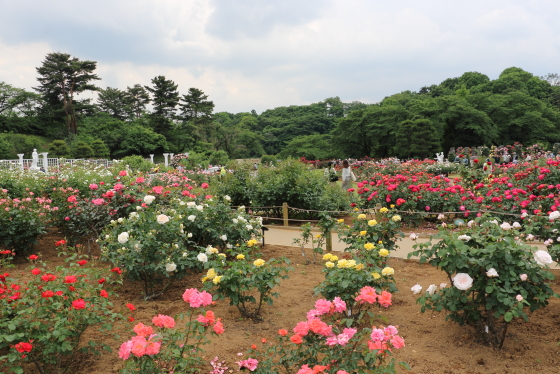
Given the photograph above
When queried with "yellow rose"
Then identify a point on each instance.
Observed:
(213, 250)
(375, 275)
(396, 218)
(361, 216)
(383, 210)
(329, 264)
(327, 256)
(369, 246)
(392, 206)
(211, 273)
(240, 256)
(204, 279)
(388, 271)
(372, 222)
(383, 252)
(351, 263)
(342, 263)
(334, 258)
(340, 220)
(217, 279)
(362, 233)
(380, 242)
(222, 254)
(318, 236)
(251, 243)
(356, 209)
(359, 267)
(259, 262)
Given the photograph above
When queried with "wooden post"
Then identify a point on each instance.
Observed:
(285, 213)
(329, 242)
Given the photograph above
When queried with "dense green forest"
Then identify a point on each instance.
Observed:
(469, 110)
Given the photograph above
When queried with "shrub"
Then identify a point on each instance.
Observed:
(168, 348)
(493, 277)
(339, 345)
(245, 277)
(44, 318)
(22, 221)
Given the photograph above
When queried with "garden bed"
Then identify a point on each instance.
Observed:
(432, 344)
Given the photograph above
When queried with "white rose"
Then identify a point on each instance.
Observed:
(241, 208)
(494, 222)
(229, 246)
(413, 236)
(189, 235)
(138, 207)
(191, 204)
(542, 258)
(148, 199)
(123, 237)
(552, 216)
(471, 223)
(185, 254)
(516, 225)
(133, 215)
(492, 273)
(462, 281)
(202, 257)
(442, 285)
(182, 203)
(525, 214)
(441, 216)
(416, 289)
(464, 238)
(191, 218)
(200, 208)
(227, 198)
(548, 242)
(223, 237)
(505, 226)
(432, 289)
(530, 237)
(249, 227)
(170, 267)
(162, 218)
(235, 220)
(120, 220)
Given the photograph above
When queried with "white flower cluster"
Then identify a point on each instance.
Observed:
(432, 288)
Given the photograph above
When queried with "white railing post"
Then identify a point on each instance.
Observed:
(45, 161)
(152, 158)
(20, 155)
(165, 155)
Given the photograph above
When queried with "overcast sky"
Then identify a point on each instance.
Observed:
(261, 54)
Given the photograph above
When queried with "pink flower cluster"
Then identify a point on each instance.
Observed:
(383, 339)
(323, 306)
(143, 343)
(197, 299)
(370, 296)
(250, 363)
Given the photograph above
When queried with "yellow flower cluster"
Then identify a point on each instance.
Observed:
(210, 275)
(369, 246)
(388, 271)
(372, 222)
(251, 243)
(330, 257)
(396, 218)
(213, 250)
(383, 252)
(346, 264)
(362, 233)
(361, 216)
(240, 256)
(259, 262)
(383, 210)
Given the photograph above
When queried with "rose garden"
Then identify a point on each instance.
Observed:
(120, 270)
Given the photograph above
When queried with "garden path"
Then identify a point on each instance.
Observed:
(281, 235)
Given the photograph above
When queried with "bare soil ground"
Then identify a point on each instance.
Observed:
(433, 345)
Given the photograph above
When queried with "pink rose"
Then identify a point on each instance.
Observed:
(523, 277)
(519, 298)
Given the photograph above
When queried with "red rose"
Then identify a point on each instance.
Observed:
(104, 293)
(82, 262)
(23, 347)
(33, 257)
(79, 304)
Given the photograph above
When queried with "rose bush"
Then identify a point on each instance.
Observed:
(45, 314)
(169, 347)
(494, 276)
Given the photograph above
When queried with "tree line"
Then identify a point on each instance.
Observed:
(469, 110)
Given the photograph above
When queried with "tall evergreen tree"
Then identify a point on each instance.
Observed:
(165, 98)
(137, 98)
(62, 77)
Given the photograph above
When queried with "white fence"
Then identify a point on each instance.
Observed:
(53, 164)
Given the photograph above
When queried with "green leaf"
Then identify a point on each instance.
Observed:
(508, 316)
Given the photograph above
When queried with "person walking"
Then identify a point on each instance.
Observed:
(347, 175)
